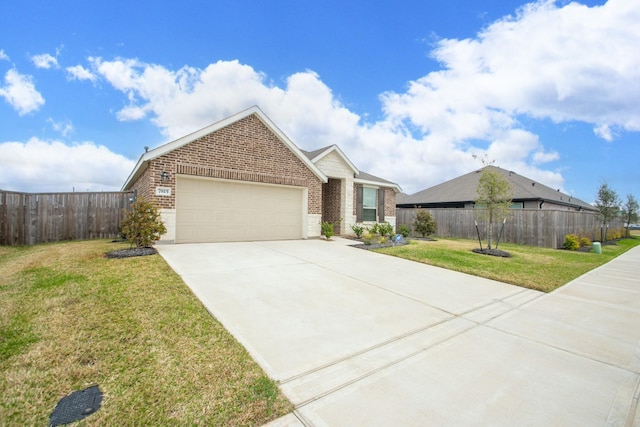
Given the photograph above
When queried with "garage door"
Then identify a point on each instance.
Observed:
(209, 210)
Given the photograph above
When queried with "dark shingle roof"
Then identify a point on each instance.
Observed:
(368, 177)
(463, 189)
(313, 154)
(361, 175)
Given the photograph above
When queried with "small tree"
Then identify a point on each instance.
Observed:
(142, 225)
(424, 224)
(494, 197)
(630, 211)
(608, 205)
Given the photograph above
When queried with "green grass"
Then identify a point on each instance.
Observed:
(530, 267)
(70, 318)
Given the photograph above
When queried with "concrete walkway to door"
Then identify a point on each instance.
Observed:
(359, 338)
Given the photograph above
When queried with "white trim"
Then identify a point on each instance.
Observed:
(378, 184)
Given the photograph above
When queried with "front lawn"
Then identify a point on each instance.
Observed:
(530, 267)
(70, 318)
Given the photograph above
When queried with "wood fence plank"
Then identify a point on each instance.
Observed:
(534, 227)
(27, 219)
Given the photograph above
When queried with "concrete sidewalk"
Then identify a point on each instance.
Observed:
(358, 338)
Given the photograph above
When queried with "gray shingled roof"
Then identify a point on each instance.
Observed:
(362, 175)
(313, 154)
(463, 189)
(368, 177)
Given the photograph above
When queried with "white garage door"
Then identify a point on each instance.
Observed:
(209, 210)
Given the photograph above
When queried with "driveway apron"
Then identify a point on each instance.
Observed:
(359, 338)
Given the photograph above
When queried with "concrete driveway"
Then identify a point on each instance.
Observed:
(359, 338)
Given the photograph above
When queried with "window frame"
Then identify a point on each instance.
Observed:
(366, 208)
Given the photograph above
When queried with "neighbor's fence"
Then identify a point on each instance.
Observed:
(533, 227)
(27, 219)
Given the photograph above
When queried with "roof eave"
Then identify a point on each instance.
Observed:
(393, 185)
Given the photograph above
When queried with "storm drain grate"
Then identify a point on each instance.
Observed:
(76, 406)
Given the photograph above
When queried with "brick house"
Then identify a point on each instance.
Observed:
(243, 179)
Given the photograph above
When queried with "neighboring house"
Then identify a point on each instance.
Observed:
(461, 193)
(242, 179)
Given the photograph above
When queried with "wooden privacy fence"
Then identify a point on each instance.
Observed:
(533, 227)
(27, 219)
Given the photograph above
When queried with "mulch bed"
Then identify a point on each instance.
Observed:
(388, 244)
(128, 253)
(492, 252)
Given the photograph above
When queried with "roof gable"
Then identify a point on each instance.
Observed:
(187, 139)
(331, 152)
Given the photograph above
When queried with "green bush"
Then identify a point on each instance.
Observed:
(142, 225)
(424, 224)
(404, 230)
(327, 229)
(374, 229)
(571, 242)
(385, 229)
(358, 230)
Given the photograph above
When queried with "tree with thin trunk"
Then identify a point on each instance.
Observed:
(608, 205)
(494, 197)
(630, 211)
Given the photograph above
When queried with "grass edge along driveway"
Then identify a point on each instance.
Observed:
(530, 267)
(70, 318)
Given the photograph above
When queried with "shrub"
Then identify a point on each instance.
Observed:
(327, 229)
(424, 223)
(358, 230)
(385, 229)
(571, 242)
(404, 230)
(614, 233)
(367, 238)
(585, 242)
(374, 229)
(142, 225)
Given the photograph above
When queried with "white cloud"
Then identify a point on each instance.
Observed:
(45, 61)
(605, 132)
(64, 128)
(78, 72)
(20, 92)
(3, 56)
(560, 63)
(53, 166)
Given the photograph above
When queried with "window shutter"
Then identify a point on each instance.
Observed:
(359, 209)
(380, 204)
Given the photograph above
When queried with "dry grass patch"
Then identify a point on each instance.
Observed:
(530, 267)
(71, 318)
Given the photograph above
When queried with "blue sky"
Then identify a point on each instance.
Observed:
(409, 90)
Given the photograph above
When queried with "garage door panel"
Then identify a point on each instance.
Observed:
(209, 210)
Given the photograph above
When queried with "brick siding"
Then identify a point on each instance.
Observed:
(331, 202)
(245, 150)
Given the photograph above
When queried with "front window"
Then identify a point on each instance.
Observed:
(369, 203)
